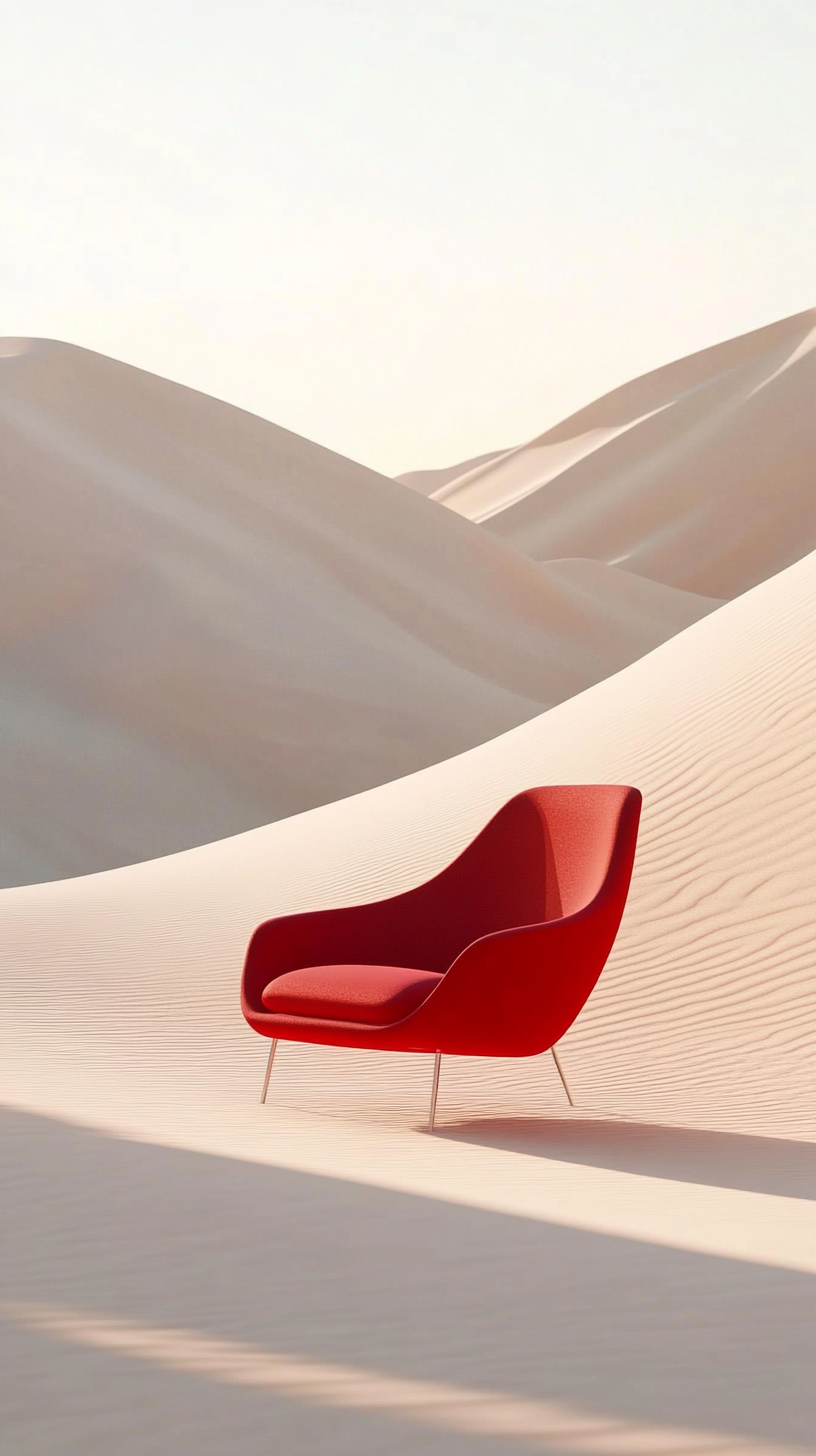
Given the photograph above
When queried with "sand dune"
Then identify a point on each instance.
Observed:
(429, 481)
(699, 475)
(208, 622)
(649, 1257)
(629, 606)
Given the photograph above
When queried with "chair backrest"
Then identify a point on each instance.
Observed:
(550, 873)
(581, 824)
(543, 856)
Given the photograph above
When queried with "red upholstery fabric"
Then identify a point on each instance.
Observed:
(375, 995)
(521, 922)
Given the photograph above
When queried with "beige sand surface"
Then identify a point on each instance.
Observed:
(699, 475)
(209, 623)
(184, 1266)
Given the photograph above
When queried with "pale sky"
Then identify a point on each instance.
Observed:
(413, 230)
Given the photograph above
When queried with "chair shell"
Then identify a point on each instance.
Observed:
(521, 924)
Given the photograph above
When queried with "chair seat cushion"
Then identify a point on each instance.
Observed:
(375, 995)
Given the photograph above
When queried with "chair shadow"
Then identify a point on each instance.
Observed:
(688, 1155)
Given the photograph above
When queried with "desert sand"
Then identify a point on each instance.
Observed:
(209, 623)
(636, 1275)
(699, 475)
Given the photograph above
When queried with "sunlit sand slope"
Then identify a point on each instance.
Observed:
(700, 474)
(208, 622)
(705, 1014)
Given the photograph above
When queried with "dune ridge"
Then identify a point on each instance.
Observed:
(427, 482)
(209, 623)
(698, 475)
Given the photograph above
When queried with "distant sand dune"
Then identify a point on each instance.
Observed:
(207, 622)
(427, 482)
(632, 606)
(699, 475)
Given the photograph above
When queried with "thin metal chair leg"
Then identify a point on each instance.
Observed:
(269, 1067)
(561, 1075)
(434, 1091)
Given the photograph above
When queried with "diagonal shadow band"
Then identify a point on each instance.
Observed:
(350, 1275)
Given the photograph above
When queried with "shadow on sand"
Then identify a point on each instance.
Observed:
(720, 1159)
(343, 1272)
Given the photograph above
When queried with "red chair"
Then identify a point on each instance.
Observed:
(493, 957)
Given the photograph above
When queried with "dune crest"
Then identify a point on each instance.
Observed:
(427, 482)
(207, 622)
(698, 475)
